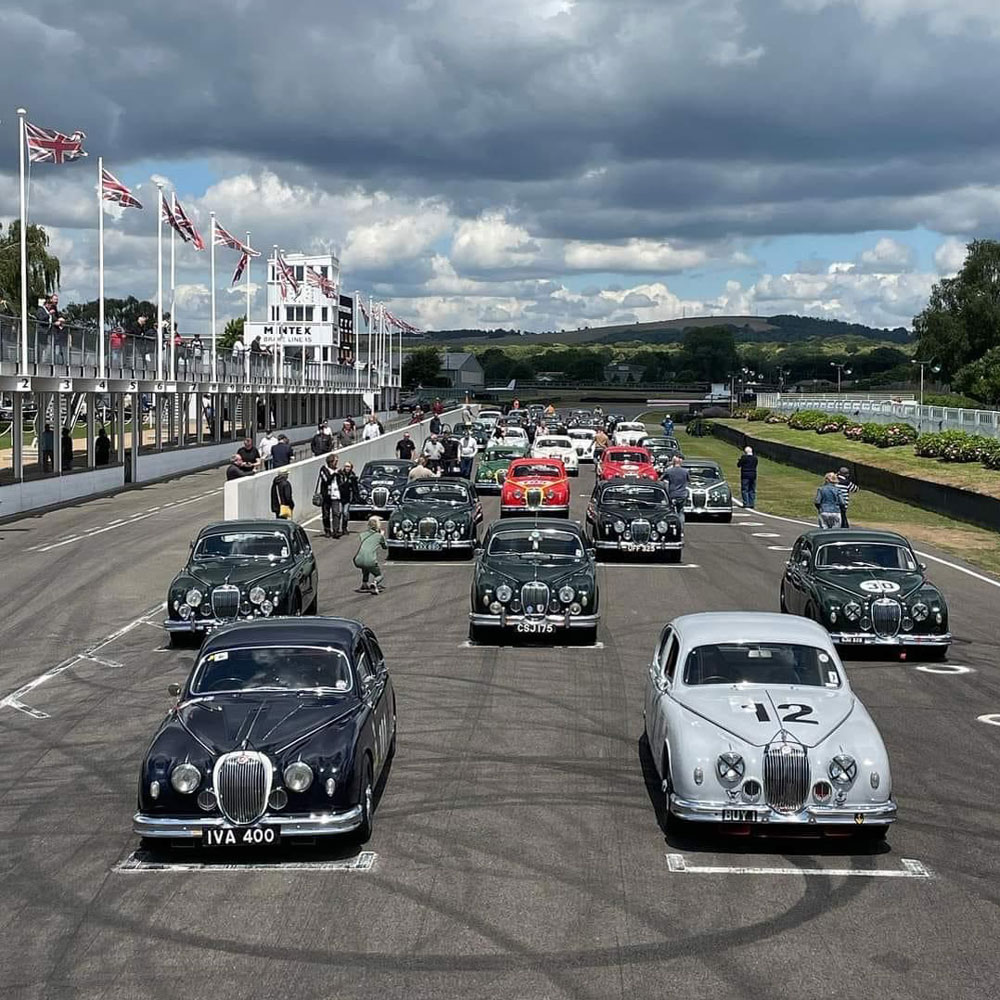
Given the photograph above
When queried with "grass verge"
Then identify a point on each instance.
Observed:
(789, 492)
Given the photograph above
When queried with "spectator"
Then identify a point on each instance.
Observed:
(60, 341)
(282, 501)
(677, 479)
(117, 343)
(267, 441)
(437, 407)
(255, 347)
(435, 424)
(601, 441)
(282, 452)
(420, 471)
(468, 448)
(827, 502)
(550, 410)
(345, 436)
(249, 455)
(845, 486)
(180, 358)
(417, 416)
(433, 451)
(102, 448)
(366, 558)
(328, 489)
(371, 430)
(747, 464)
(238, 349)
(66, 444)
(141, 333)
(668, 425)
(320, 443)
(48, 449)
(467, 413)
(43, 329)
(197, 351)
(449, 458)
(328, 431)
(237, 468)
(405, 447)
(347, 481)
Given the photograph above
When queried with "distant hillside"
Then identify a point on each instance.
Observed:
(746, 329)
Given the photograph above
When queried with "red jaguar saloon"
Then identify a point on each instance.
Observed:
(624, 462)
(537, 486)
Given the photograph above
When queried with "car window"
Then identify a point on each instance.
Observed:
(762, 663)
(378, 657)
(670, 664)
(363, 666)
(666, 647)
(303, 540)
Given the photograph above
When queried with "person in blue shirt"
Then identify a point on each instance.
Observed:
(668, 426)
(827, 502)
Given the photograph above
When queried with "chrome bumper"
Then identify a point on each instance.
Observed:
(903, 639)
(193, 625)
(658, 546)
(360, 510)
(505, 620)
(812, 815)
(708, 510)
(443, 544)
(550, 510)
(192, 827)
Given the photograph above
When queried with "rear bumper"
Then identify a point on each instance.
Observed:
(193, 827)
(903, 639)
(858, 816)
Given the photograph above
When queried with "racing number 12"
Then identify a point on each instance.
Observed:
(797, 716)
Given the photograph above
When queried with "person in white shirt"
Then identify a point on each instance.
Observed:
(468, 448)
(267, 442)
(420, 471)
(433, 451)
(371, 430)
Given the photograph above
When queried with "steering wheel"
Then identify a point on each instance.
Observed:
(220, 684)
(717, 678)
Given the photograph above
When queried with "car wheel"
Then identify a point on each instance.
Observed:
(673, 555)
(313, 607)
(367, 802)
(725, 518)
(476, 633)
(935, 653)
(872, 835)
(178, 640)
(782, 603)
(588, 636)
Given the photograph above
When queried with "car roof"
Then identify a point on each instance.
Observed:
(856, 535)
(520, 523)
(260, 524)
(622, 481)
(543, 460)
(623, 447)
(709, 627)
(403, 463)
(340, 633)
(700, 461)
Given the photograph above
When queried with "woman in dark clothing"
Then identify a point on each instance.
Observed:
(67, 449)
(282, 503)
(102, 448)
(347, 481)
(328, 487)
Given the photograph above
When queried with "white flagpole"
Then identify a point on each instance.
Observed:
(159, 281)
(215, 375)
(371, 323)
(101, 369)
(356, 328)
(277, 347)
(246, 346)
(21, 112)
(173, 289)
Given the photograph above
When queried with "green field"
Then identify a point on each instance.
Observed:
(789, 492)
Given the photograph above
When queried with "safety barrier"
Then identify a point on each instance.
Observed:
(251, 497)
(950, 501)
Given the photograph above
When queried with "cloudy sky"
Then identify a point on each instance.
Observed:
(539, 164)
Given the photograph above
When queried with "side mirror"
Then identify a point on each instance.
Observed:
(174, 690)
(923, 567)
(804, 563)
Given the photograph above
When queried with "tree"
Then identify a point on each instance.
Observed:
(117, 312)
(232, 332)
(43, 267)
(422, 367)
(962, 319)
(709, 353)
(980, 378)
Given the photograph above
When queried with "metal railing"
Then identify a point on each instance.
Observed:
(74, 351)
(886, 411)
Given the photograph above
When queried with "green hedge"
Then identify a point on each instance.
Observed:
(808, 420)
(759, 413)
(958, 446)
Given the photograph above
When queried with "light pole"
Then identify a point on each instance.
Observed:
(935, 368)
(747, 374)
(842, 369)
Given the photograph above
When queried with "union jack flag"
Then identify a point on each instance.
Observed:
(325, 285)
(226, 239)
(112, 189)
(286, 277)
(48, 146)
(241, 267)
(364, 311)
(185, 227)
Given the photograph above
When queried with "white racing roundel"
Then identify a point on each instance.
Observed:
(879, 587)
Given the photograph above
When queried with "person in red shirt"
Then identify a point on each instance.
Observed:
(438, 407)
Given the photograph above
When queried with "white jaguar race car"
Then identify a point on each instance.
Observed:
(629, 432)
(559, 446)
(583, 441)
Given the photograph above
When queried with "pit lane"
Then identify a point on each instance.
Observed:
(517, 846)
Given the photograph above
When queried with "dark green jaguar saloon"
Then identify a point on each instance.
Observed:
(240, 570)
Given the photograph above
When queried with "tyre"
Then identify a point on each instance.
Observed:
(935, 653)
(725, 518)
(872, 835)
(782, 603)
(673, 555)
(366, 800)
(477, 634)
(313, 607)
(178, 640)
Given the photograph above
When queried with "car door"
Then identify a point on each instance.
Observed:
(795, 590)
(666, 667)
(308, 572)
(377, 691)
(656, 686)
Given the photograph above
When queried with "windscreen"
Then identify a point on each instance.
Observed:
(272, 668)
(638, 496)
(634, 457)
(530, 469)
(442, 492)
(263, 545)
(704, 473)
(549, 545)
(866, 555)
(384, 470)
(582, 435)
(552, 442)
(760, 663)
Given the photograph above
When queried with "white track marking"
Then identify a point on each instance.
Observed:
(945, 668)
(990, 720)
(14, 699)
(468, 644)
(752, 524)
(765, 534)
(633, 565)
(910, 869)
(137, 862)
(780, 548)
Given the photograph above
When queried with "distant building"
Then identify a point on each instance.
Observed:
(462, 370)
(619, 372)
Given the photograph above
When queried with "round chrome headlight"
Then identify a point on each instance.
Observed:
(185, 612)
(730, 766)
(504, 593)
(920, 612)
(843, 769)
(298, 776)
(662, 527)
(185, 778)
(267, 607)
(407, 525)
(619, 526)
(257, 595)
(449, 525)
(566, 594)
(193, 597)
(852, 611)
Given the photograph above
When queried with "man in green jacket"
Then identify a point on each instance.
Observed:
(366, 558)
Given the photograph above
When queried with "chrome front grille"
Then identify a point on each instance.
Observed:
(786, 777)
(640, 531)
(534, 497)
(535, 598)
(427, 528)
(380, 497)
(226, 601)
(242, 783)
(887, 615)
(699, 499)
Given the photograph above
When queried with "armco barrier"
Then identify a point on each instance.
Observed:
(951, 501)
(251, 497)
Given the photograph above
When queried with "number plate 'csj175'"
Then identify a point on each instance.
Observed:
(252, 836)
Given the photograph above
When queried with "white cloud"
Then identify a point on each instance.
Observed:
(950, 256)
(631, 256)
(491, 242)
(887, 256)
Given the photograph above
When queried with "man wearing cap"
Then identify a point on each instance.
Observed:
(845, 487)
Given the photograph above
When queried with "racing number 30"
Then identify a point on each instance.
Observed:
(799, 715)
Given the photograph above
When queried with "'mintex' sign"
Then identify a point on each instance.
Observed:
(292, 334)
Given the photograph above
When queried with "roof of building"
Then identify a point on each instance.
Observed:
(453, 360)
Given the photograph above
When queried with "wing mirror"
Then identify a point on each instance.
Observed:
(174, 690)
(923, 567)
(804, 563)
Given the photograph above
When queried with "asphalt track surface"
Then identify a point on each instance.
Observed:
(518, 850)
